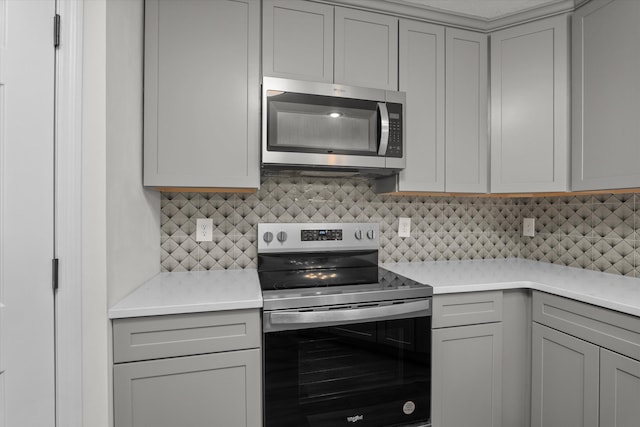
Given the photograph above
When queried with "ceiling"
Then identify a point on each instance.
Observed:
(483, 9)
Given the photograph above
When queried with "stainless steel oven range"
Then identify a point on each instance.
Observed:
(346, 342)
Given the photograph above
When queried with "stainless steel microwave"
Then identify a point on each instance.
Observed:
(321, 126)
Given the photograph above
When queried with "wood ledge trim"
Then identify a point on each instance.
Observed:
(416, 193)
(515, 195)
(203, 190)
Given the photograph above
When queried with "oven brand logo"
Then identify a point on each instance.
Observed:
(355, 418)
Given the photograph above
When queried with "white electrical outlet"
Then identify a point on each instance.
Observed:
(404, 227)
(529, 227)
(204, 230)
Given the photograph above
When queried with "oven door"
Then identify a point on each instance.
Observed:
(323, 372)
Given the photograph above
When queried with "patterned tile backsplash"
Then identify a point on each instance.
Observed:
(594, 232)
(599, 232)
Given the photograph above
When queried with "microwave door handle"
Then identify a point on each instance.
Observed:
(384, 129)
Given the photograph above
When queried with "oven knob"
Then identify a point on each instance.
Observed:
(267, 237)
(371, 234)
(282, 236)
(359, 234)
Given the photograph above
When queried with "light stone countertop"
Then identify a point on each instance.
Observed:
(176, 293)
(192, 292)
(602, 289)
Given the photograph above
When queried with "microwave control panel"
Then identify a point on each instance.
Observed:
(394, 148)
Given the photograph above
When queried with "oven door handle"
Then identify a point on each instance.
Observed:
(328, 317)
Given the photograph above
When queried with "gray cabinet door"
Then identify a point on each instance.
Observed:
(564, 379)
(221, 389)
(421, 64)
(467, 376)
(297, 40)
(529, 107)
(606, 95)
(467, 132)
(366, 49)
(619, 390)
(201, 99)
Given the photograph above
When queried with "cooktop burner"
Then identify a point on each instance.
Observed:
(384, 279)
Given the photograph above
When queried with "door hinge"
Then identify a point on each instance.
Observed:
(56, 31)
(54, 273)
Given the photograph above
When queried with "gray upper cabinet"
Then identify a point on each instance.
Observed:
(444, 73)
(318, 42)
(298, 40)
(366, 49)
(201, 99)
(606, 95)
(467, 128)
(529, 107)
(564, 380)
(422, 66)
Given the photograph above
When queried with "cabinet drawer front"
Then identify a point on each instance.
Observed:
(155, 337)
(606, 328)
(467, 309)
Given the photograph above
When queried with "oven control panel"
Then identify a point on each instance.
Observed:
(324, 234)
(280, 237)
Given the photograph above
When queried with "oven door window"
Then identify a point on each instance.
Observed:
(368, 374)
(319, 124)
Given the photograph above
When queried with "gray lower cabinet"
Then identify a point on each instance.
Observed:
(192, 370)
(467, 360)
(467, 376)
(564, 380)
(217, 389)
(585, 369)
(516, 358)
(619, 390)
(201, 94)
(606, 95)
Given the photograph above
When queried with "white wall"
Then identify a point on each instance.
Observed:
(121, 220)
(133, 213)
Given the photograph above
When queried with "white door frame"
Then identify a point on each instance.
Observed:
(68, 249)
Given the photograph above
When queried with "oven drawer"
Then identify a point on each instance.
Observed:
(155, 337)
(467, 308)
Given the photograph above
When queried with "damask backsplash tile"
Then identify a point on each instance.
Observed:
(441, 228)
(593, 232)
